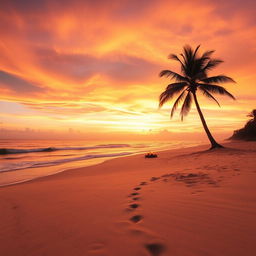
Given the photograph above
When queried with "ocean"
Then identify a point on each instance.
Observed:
(23, 160)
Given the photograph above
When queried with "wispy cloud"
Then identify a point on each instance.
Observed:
(97, 61)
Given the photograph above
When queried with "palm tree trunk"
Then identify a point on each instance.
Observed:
(209, 135)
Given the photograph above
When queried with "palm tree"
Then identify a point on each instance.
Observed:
(194, 77)
(253, 115)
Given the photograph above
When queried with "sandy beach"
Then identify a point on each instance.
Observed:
(186, 202)
(127, 128)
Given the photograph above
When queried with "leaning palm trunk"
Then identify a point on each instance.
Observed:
(193, 78)
(209, 135)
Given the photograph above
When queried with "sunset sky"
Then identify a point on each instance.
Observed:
(82, 68)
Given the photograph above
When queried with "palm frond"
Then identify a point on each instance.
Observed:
(218, 79)
(212, 63)
(177, 102)
(185, 61)
(188, 52)
(170, 91)
(198, 67)
(173, 74)
(208, 95)
(207, 54)
(190, 59)
(200, 75)
(175, 57)
(175, 86)
(186, 69)
(172, 56)
(196, 50)
(216, 89)
(200, 63)
(252, 114)
(186, 105)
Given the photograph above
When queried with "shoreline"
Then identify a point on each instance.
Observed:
(95, 161)
(136, 206)
(54, 173)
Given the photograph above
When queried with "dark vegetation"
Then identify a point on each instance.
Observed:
(248, 132)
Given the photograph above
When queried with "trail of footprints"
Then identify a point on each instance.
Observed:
(190, 179)
(155, 249)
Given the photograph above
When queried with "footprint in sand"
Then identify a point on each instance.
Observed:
(134, 206)
(143, 183)
(136, 218)
(155, 249)
(154, 178)
(134, 194)
(137, 188)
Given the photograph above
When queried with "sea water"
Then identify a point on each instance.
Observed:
(23, 160)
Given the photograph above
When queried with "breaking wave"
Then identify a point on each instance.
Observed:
(6, 151)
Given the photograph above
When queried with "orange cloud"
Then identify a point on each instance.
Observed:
(96, 63)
